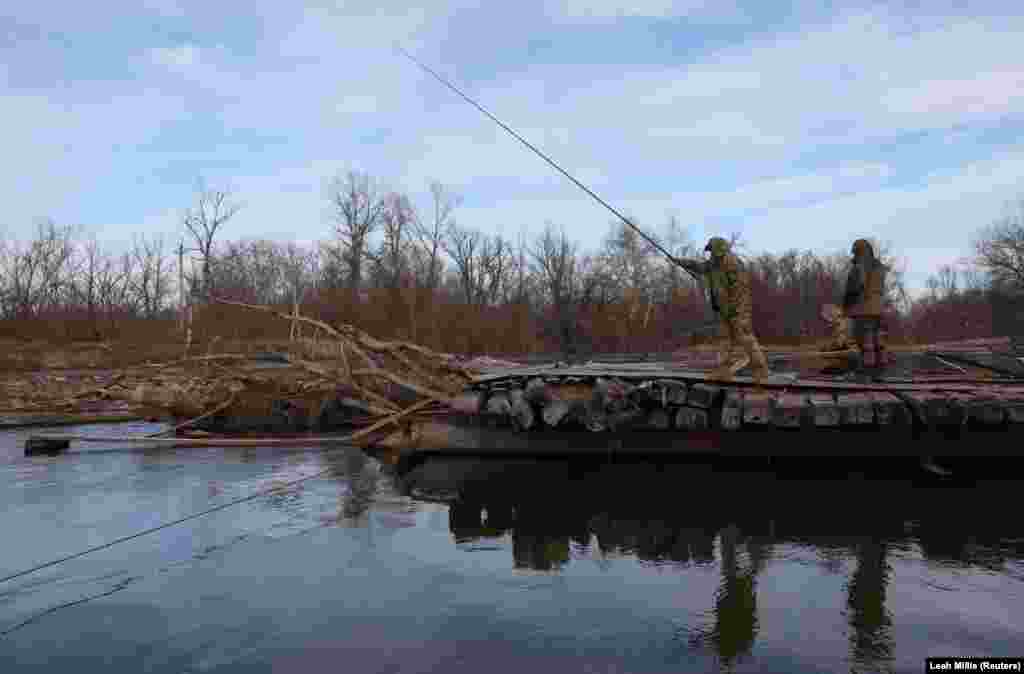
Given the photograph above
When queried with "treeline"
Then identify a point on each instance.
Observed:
(424, 276)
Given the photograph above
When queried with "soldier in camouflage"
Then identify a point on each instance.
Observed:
(729, 290)
(837, 322)
(865, 288)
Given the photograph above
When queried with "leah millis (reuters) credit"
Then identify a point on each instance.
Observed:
(974, 664)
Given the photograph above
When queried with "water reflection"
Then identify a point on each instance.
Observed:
(360, 475)
(870, 622)
(692, 516)
(735, 626)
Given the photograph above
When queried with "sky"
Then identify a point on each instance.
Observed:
(795, 124)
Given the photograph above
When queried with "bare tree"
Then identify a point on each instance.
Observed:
(554, 257)
(250, 269)
(92, 270)
(299, 269)
(114, 290)
(357, 209)
(151, 282)
(101, 283)
(211, 210)
(330, 266)
(463, 245)
(37, 276)
(999, 249)
(392, 260)
(432, 234)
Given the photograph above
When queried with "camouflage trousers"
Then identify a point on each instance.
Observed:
(742, 348)
(866, 332)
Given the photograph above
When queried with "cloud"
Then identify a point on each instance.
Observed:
(796, 135)
(987, 95)
(176, 57)
(62, 150)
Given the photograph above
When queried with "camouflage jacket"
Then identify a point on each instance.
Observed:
(728, 285)
(865, 288)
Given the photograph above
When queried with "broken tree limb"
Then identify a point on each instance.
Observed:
(392, 419)
(352, 334)
(219, 408)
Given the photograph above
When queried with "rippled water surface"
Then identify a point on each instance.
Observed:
(472, 565)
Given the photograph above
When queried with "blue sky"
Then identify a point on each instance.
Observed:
(798, 124)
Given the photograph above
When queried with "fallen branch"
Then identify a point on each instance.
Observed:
(219, 408)
(393, 418)
(327, 374)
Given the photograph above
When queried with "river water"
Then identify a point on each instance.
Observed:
(471, 565)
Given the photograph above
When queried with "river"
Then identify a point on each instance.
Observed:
(471, 565)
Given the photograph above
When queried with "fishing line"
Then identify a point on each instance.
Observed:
(109, 544)
(543, 156)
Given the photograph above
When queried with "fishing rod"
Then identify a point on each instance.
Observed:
(558, 168)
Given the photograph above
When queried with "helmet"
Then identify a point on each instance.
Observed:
(717, 246)
(862, 247)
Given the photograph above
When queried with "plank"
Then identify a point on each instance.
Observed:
(692, 419)
(36, 445)
(855, 409)
(823, 409)
(757, 408)
(788, 410)
(703, 396)
(731, 416)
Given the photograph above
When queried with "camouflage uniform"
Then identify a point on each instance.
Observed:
(729, 288)
(865, 287)
(838, 325)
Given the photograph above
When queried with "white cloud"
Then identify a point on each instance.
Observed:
(861, 78)
(177, 57)
(726, 127)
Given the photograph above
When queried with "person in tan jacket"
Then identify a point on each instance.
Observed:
(728, 283)
(862, 303)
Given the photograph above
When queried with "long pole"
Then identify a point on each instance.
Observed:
(543, 156)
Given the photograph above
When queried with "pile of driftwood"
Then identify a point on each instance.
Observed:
(340, 378)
